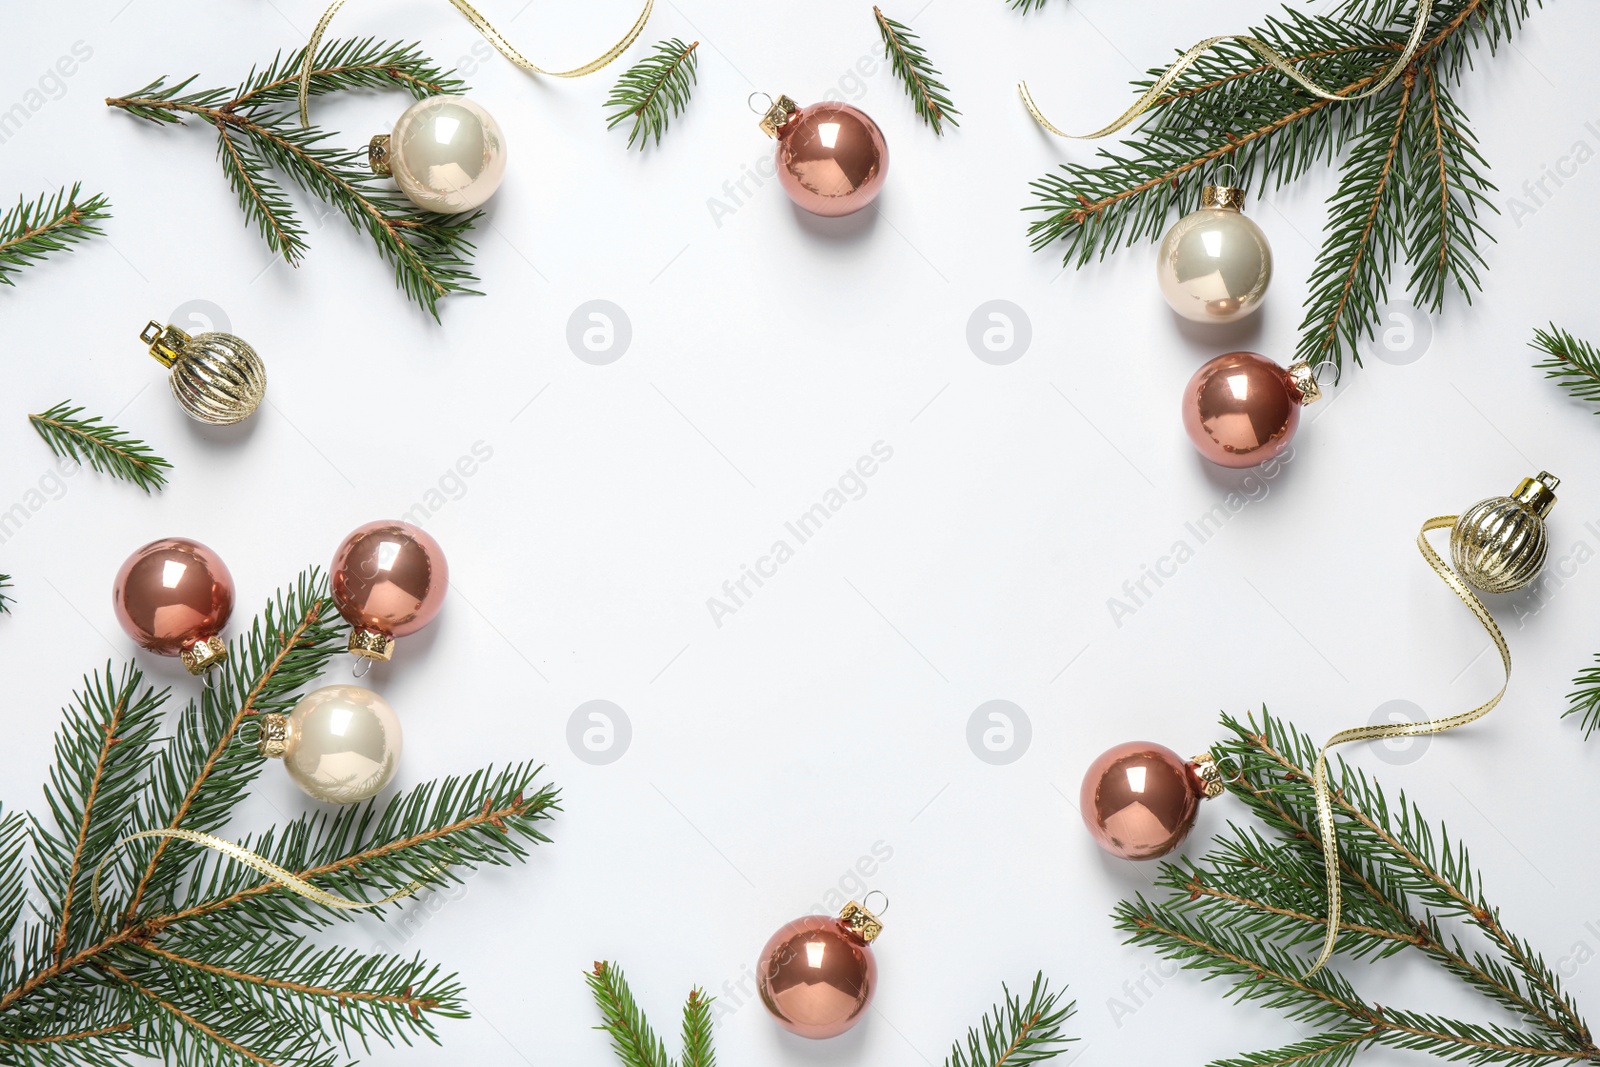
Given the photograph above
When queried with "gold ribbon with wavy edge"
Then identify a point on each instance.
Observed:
(492, 35)
(1261, 48)
(286, 878)
(1319, 778)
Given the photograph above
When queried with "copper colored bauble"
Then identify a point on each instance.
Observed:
(173, 597)
(816, 975)
(389, 579)
(832, 158)
(1140, 799)
(1242, 409)
(1499, 544)
(216, 377)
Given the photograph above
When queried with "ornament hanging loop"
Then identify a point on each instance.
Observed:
(750, 102)
(866, 902)
(362, 666)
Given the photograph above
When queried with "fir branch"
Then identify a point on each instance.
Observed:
(1251, 910)
(1016, 1033)
(259, 135)
(635, 1044)
(5, 599)
(102, 446)
(1584, 700)
(200, 962)
(1027, 5)
(1413, 188)
(697, 1050)
(50, 223)
(929, 96)
(653, 91)
(1574, 363)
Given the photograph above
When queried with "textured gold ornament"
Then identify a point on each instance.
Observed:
(1303, 376)
(1222, 196)
(1210, 776)
(861, 922)
(203, 655)
(378, 154)
(778, 114)
(1499, 544)
(370, 644)
(216, 377)
(274, 739)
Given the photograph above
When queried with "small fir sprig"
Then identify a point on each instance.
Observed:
(52, 222)
(190, 957)
(259, 136)
(930, 97)
(102, 446)
(1251, 912)
(653, 91)
(1027, 5)
(635, 1044)
(1413, 188)
(1584, 700)
(5, 598)
(1572, 362)
(1016, 1032)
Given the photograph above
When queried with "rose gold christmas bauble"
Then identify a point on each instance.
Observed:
(1139, 800)
(817, 977)
(1241, 409)
(832, 158)
(173, 594)
(389, 577)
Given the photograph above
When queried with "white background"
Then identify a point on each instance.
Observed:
(768, 353)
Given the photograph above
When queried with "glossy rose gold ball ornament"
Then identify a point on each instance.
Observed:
(817, 975)
(1139, 800)
(389, 579)
(832, 158)
(173, 597)
(1242, 409)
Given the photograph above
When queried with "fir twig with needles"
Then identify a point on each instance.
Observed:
(1413, 188)
(653, 91)
(51, 222)
(1584, 700)
(259, 137)
(1573, 363)
(102, 446)
(930, 98)
(195, 959)
(1249, 912)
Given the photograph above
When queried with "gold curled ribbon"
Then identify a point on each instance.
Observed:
(1319, 778)
(284, 877)
(492, 35)
(1261, 48)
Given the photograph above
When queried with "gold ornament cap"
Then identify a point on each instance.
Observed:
(1538, 495)
(203, 654)
(371, 644)
(378, 154)
(1303, 377)
(1227, 197)
(1207, 775)
(274, 739)
(861, 922)
(166, 342)
(778, 115)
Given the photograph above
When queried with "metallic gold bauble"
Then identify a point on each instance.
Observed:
(216, 377)
(1499, 545)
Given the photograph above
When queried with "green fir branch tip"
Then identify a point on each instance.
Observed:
(260, 142)
(6, 600)
(1584, 700)
(1027, 5)
(102, 446)
(653, 91)
(930, 97)
(1573, 363)
(1017, 1032)
(53, 222)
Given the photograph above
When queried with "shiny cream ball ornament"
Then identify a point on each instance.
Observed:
(1214, 265)
(216, 377)
(340, 744)
(1499, 545)
(445, 153)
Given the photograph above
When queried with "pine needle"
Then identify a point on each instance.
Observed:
(1584, 700)
(654, 90)
(5, 600)
(51, 223)
(1015, 1033)
(1027, 5)
(909, 61)
(635, 1044)
(1573, 363)
(260, 141)
(102, 446)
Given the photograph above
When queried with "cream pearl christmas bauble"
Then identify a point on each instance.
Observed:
(446, 154)
(341, 743)
(1214, 265)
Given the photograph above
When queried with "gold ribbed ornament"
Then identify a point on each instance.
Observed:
(1499, 544)
(216, 377)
